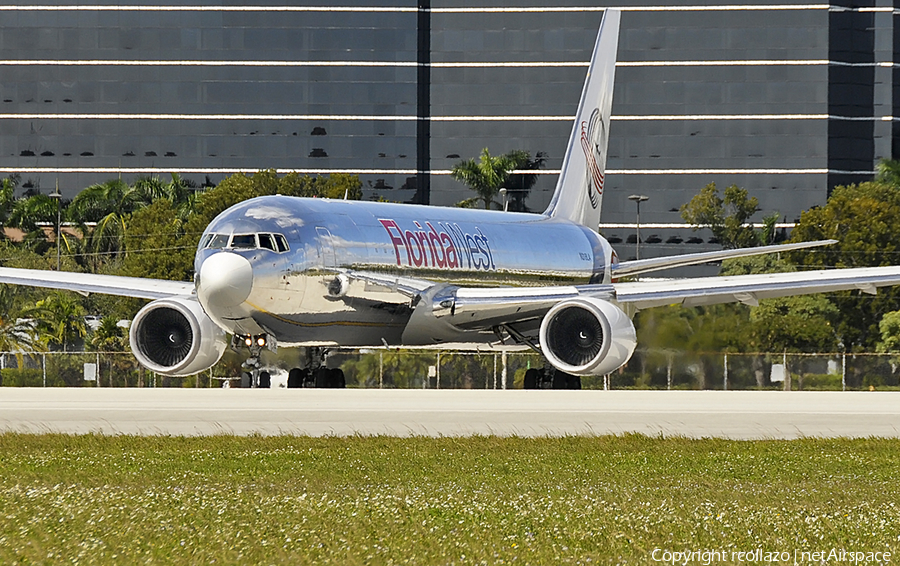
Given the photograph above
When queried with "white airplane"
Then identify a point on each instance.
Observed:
(327, 274)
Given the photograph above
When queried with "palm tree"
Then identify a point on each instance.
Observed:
(18, 328)
(109, 336)
(7, 198)
(182, 193)
(61, 318)
(108, 204)
(18, 332)
(26, 213)
(487, 176)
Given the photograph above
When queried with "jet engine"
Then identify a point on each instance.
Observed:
(174, 337)
(587, 336)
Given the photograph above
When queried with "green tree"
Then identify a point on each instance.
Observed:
(26, 213)
(699, 330)
(802, 323)
(61, 318)
(488, 175)
(109, 336)
(7, 198)
(108, 204)
(727, 216)
(863, 218)
(888, 172)
(18, 328)
(889, 327)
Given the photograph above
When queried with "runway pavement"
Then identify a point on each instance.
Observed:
(190, 412)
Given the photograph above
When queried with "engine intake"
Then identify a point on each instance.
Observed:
(587, 336)
(174, 337)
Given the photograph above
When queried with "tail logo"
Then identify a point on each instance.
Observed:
(592, 136)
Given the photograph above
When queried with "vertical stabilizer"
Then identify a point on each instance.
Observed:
(579, 191)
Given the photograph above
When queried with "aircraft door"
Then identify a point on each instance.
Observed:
(326, 248)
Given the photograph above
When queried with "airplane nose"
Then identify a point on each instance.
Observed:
(225, 280)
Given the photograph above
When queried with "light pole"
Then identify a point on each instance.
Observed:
(638, 199)
(505, 194)
(57, 197)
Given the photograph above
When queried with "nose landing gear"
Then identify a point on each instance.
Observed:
(251, 376)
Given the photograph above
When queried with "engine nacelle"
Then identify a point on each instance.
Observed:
(174, 337)
(587, 336)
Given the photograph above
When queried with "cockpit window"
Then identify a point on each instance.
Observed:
(273, 242)
(243, 241)
(266, 242)
(217, 241)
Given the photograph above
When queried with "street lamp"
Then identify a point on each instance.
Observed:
(57, 196)
(638, 199)
(504, 193)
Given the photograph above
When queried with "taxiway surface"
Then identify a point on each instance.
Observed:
(695, 414)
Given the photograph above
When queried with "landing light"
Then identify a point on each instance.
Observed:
(260, 341)
(248, 341)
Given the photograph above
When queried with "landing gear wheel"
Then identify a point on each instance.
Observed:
(532, 376)
(338, 381)
(246, 380)
(560, 380)
(265, 380)
(573, 382)
(322, 377)
(295, 378)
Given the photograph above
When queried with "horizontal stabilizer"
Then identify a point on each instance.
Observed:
(637, 267)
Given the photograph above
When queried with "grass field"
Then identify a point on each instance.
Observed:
(295, 500)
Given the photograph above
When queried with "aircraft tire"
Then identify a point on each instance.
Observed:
(295, 378)
(246, 380)
(531, 379)
(321, 376)
(265, 380)
(338, 381)
(573, 382)
(560, 380)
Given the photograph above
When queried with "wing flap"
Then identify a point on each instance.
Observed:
(89, 283)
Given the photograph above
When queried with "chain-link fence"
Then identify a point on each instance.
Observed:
(430, 369)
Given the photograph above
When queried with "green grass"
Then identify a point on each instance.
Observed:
(295, 500)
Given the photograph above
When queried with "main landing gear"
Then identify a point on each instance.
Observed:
(549, 377)
(315, 373)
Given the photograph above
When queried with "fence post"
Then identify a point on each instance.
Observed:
(495, 374)
(380, 370)
(437, 373)
(843, 372)
(669, 372)
(503, 368)
(787, 372)
(44, 367)
(725, 383)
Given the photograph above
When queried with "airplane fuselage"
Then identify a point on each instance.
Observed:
(305, 294)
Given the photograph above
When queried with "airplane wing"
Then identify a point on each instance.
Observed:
(89, 283)
(639, 266)
(750, 289)
(486, 308)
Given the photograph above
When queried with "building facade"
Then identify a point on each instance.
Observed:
(784, 100)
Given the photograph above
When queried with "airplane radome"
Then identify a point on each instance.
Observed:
(326, 274)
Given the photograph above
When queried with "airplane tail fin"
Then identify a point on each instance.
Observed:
(579, 190)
